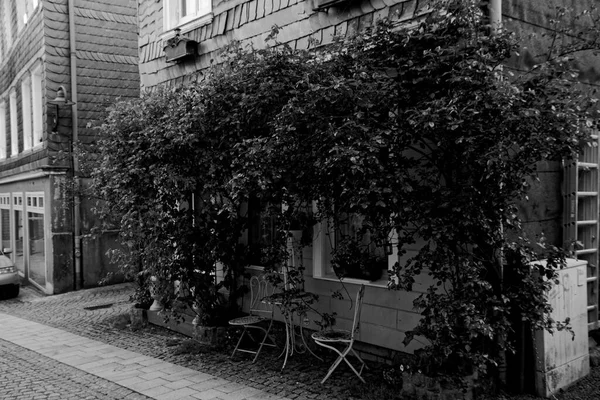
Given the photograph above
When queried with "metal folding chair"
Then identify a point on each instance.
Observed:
(330, 337)
(261, 312)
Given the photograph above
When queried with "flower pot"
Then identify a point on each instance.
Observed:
(210, 335)
(154, 293)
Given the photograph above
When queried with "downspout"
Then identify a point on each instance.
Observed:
(78, 273)
(495, 14)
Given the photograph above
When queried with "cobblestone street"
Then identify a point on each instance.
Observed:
(39, 368)
(101, 314)
(25, 374)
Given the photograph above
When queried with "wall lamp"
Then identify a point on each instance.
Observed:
(60, 100)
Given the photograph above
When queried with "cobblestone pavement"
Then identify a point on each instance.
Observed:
(102, 314)
(25, 375)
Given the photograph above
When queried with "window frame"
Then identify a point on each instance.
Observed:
(37, 104)
(324, 240)
(26, 109)
(3, 150)
(172, 18)
(14, 124)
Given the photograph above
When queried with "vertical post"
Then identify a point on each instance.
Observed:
(495, 14)
(79, 281)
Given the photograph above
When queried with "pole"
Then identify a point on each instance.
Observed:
(79, 282)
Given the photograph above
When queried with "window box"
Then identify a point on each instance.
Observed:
(179, 47)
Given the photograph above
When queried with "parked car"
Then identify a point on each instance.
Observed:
(10, 281)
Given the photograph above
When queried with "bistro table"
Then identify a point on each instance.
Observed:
(292, 305)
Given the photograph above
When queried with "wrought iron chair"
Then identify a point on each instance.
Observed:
(261, 313)
(328, 338)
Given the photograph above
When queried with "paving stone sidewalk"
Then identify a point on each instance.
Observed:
(149, 376)
(27, 375)
(100, 314)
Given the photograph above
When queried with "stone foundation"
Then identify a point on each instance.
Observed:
(421, 387)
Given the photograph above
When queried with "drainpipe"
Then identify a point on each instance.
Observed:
(75, 162)
(495, 14)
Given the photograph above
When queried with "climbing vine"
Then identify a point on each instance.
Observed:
(421, 132)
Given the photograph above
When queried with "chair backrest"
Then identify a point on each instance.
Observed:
(260, 289)
(357, 310)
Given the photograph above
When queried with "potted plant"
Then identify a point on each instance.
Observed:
(351, 259)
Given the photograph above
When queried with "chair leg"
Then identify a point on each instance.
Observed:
(352, 367)
(364, 364)
(342, 356)
(239, 341)
(262, 343)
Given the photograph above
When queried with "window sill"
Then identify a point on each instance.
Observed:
(187, 27)
(380, 283)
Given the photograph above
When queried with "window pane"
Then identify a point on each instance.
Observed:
(5, 226)
(18, 250)
(36, 105)
(14, 134)
(37, 260)
(357, 253)
(2, 130)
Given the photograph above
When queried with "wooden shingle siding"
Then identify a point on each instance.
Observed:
(107, 58)
(250, 22)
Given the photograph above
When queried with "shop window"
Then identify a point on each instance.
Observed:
(19, 232)
(5, 236)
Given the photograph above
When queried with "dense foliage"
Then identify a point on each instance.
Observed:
(421, 132)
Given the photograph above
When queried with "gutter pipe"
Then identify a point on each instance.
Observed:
(78, 271)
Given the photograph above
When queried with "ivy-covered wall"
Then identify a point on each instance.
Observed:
(387, 314)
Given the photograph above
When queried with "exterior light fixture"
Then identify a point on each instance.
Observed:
(60, 100)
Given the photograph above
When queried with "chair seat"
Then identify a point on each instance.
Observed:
(332, 335)
(248, 320)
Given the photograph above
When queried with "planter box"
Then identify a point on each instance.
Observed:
(208, 335)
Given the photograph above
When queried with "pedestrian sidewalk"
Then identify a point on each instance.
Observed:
(149, 376)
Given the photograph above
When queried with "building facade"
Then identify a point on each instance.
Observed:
(209, 25)
(61, 63)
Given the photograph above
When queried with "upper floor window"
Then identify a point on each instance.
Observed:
(2, 130)
(186, 14)
(37, 104)
(6, 26)
(14, 124)
(26, 113)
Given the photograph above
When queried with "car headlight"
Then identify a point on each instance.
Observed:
(7, 270)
